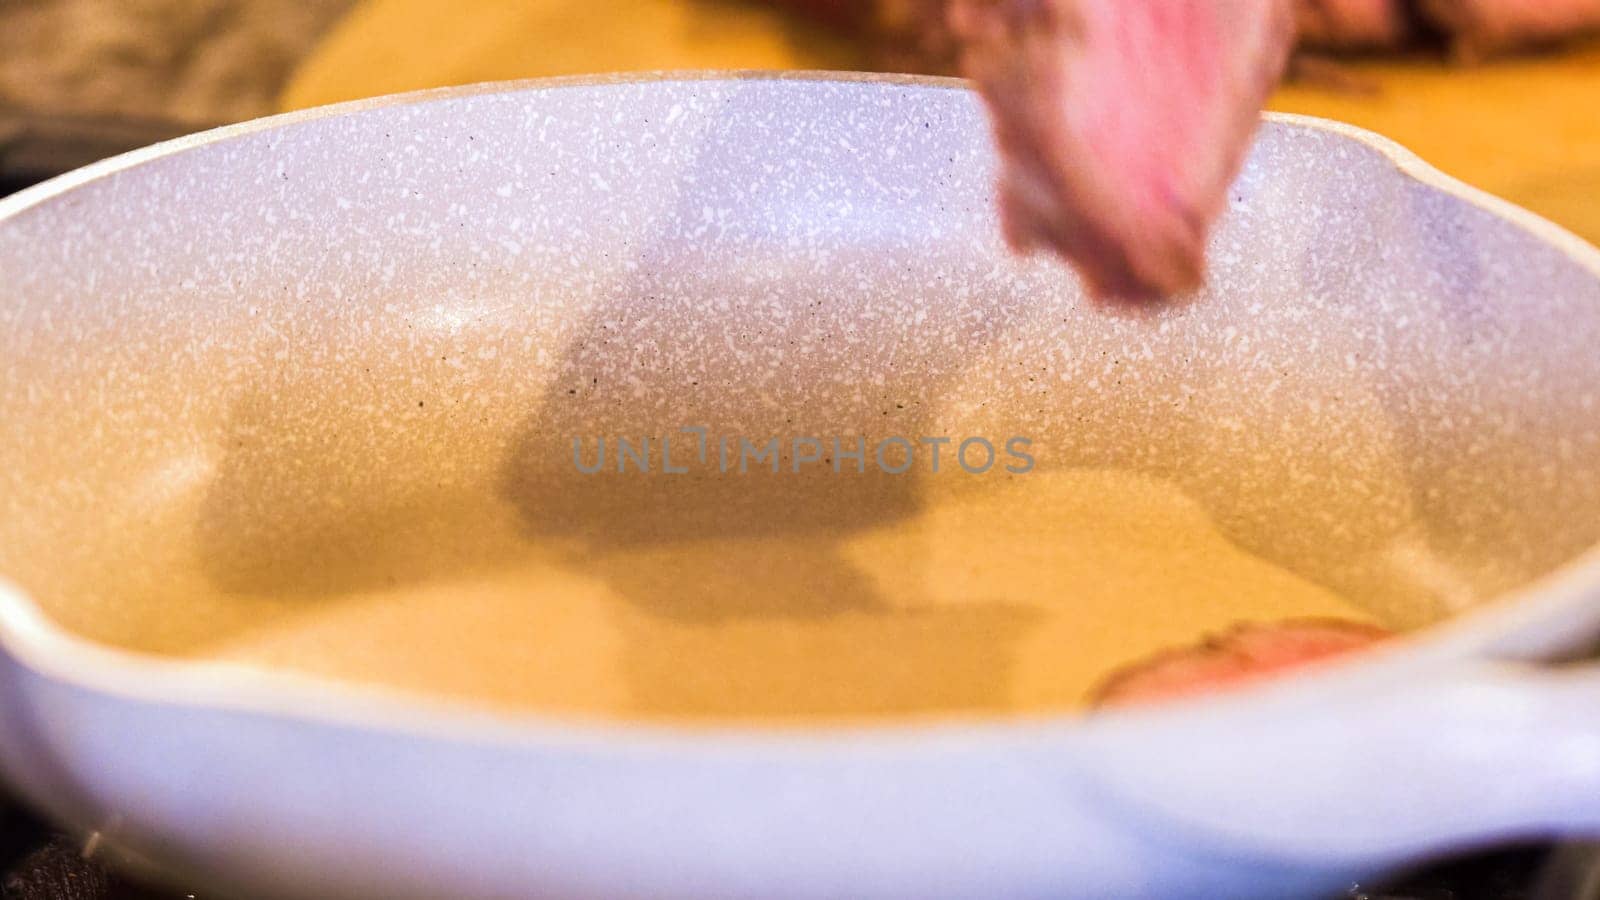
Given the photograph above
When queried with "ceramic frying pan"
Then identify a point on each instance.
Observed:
(258, 345)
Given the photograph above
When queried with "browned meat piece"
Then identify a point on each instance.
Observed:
(839, 12)
(1121, 125)
(901, 35)
(901, 25)
(1479, 28)
(916, 32)
(1245, 654)
(1352, 24)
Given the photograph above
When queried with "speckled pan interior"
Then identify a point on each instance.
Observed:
(350, 349)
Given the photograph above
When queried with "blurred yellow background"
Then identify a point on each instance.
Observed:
(1527, 129)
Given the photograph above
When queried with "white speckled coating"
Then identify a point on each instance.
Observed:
(298, 331)
(265, 346)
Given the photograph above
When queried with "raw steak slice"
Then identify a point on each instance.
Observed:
(1121, 124)
(1244, 654)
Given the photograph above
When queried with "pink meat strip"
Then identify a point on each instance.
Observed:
(1243, 655)
(1121, 124)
